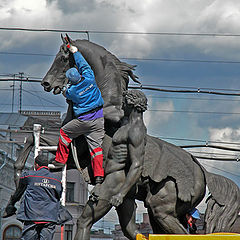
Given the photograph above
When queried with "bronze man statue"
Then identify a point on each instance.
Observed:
(123, 169)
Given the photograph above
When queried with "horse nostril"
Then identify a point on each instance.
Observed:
(45, 84)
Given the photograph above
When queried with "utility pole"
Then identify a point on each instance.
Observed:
(13, 86)
(20, 100)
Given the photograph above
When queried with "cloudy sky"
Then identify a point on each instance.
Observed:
(176, 45)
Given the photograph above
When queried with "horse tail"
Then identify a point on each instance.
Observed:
(223, 204)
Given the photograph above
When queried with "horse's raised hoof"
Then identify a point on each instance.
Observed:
(9, 211)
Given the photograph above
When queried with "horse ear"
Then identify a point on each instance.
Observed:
(63, 39)
(68, 38)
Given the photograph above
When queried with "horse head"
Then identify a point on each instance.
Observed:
(55, 78)
(112, 75)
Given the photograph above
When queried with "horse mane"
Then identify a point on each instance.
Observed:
(111, 74)
(125, 70)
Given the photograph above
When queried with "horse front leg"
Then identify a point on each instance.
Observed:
(162, 205)
(127, 216)
(92, 212)
(22, 158)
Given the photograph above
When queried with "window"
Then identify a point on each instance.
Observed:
(12, 232)
(68, 232)
(70, 192)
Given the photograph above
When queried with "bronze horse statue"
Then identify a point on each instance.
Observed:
(167, 170)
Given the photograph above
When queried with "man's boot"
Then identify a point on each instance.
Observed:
(53, 164)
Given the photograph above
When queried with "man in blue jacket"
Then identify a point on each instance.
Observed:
(39, 208)
(88, 110)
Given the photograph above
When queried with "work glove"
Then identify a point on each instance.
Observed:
(64, 89)
(72, 48)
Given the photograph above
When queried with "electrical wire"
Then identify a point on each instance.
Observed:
(19, 80)
(193, 112)
(198, 91)
(213, 153)
(180, 60)
(33, 105)
(197, 140)
(187, 87)
(211, 146)
(150, 110)
(214, 167)
(41, 98)
(121, 32)
(134, 58)
(29, 78)
(195, 98)
(161, 97)
(217, 158)
(151, 88)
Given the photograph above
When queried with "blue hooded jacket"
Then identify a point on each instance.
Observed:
(85, 95)
(41, 199)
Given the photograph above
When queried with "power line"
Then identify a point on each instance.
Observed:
(212, 153)
(184, 91)
(15, 75)
(197, 140)
(198, 90)
(150, 96)
(188, 87)
(10, 90)
(34, 105)
(31, 93)
(134, 58)
(217, 158)
(42, 98)
(220, 169)
(150, 110)
(27, 54)
(179, 60)
(43, 30)
(162, 97)
(121, 32)
(211, 146)
(142, 87)
(19, 80)
(194, 98)
(192, 112)
(234, 158)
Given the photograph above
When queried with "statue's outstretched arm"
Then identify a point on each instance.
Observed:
(10, 208)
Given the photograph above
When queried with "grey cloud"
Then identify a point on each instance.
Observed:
(74, 6)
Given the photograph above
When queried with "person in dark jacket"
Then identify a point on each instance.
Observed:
(39, 208)
(88, 110)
